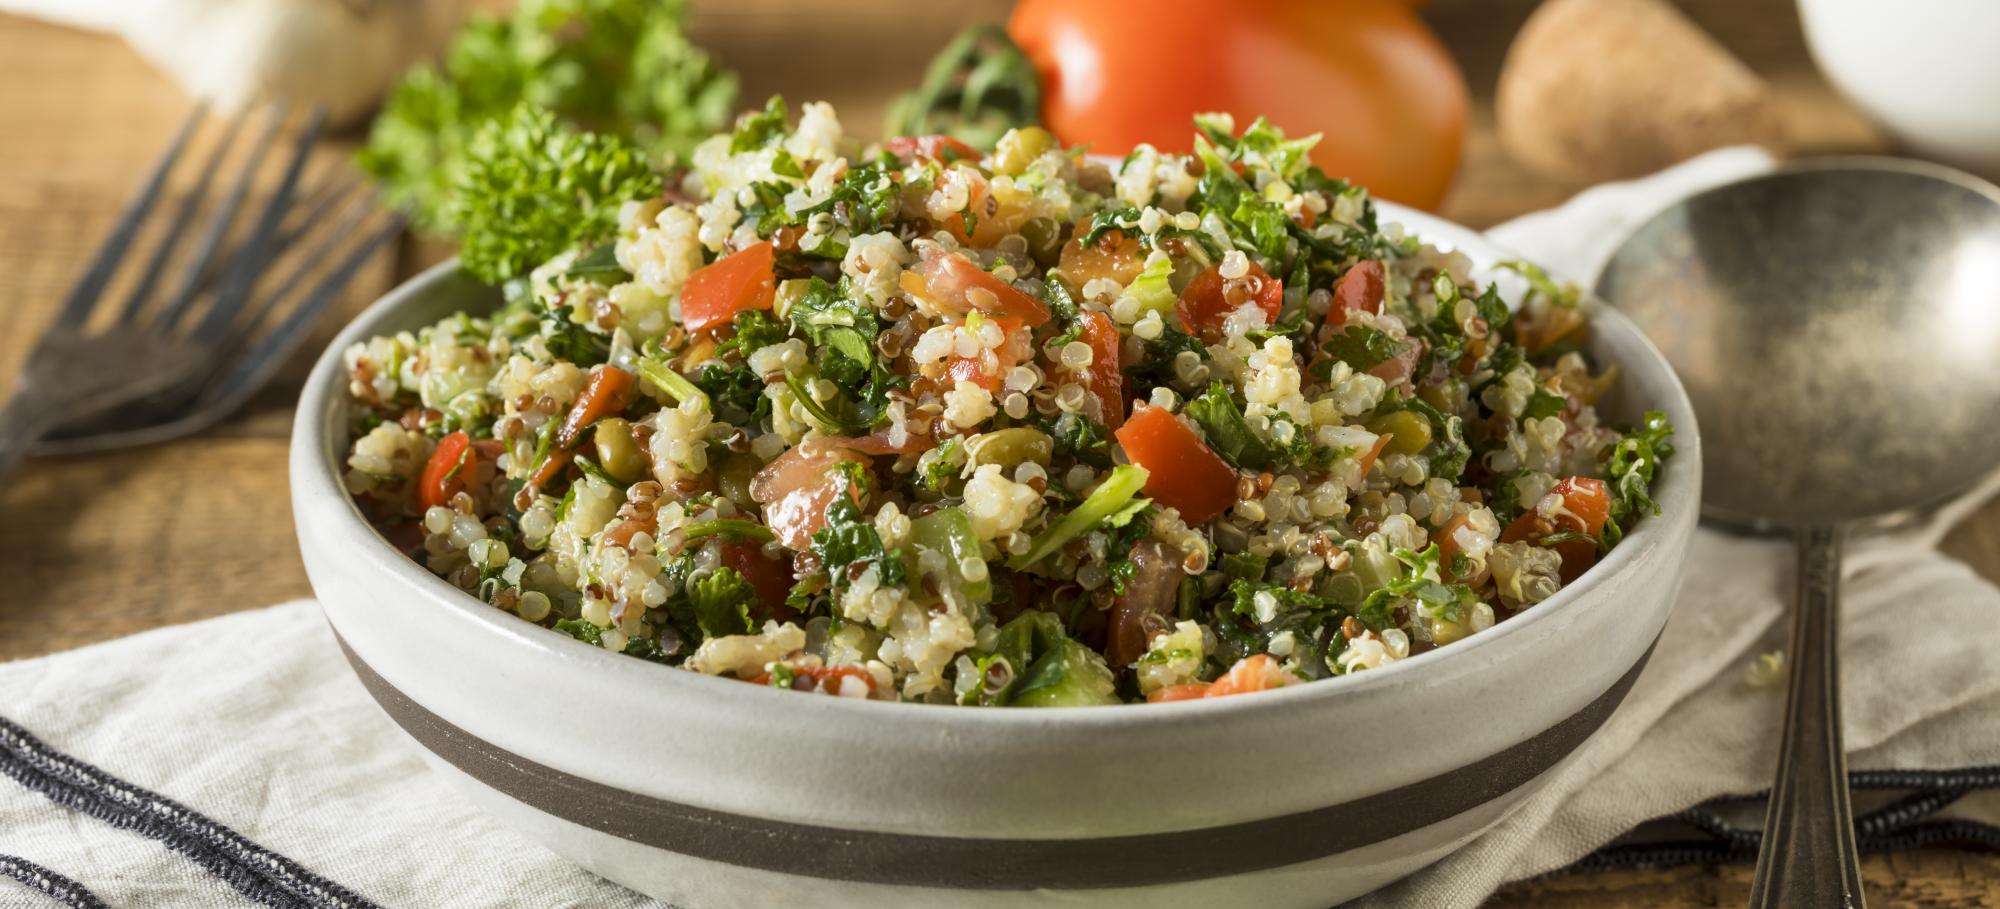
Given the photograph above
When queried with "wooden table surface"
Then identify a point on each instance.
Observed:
(98, 547)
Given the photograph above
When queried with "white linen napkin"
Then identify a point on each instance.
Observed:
(254, 720)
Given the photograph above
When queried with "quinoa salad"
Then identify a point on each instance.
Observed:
(914, 421)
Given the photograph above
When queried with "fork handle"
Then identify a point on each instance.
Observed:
(1808, 859)
(27, 417)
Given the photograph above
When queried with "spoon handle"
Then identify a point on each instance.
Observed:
(1808, 858)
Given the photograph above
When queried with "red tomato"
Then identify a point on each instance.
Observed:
(1251, 674)
(797, 487)
(1107, 376)
(771, 578)
(1397, 370)
(821, 679)
(1362, 287)
(1192, 691)
(740, 281)
(1368, 76)
(1208, 299)
(1446, 537)
(974, 369)
(1184, 473)
(1113, 256)
(993, 220)
(1586, 506)
(943, 149)
(951, 279)
(444, 474)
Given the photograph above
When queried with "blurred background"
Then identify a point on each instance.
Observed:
(1554, 101)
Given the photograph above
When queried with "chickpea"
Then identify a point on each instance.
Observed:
(1409, 432)
(1011, 446)
(617, 451)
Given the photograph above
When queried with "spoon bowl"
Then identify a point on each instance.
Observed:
(1837, 326)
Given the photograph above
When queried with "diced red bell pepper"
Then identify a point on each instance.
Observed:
(1182, 471)
(444, 474)
(738, 282)
(1586, 506)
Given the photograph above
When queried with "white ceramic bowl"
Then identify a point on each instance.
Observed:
(712, 793)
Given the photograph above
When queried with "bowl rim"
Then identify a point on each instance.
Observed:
(1677, 494)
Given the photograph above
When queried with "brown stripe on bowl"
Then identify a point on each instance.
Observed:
(972, 863)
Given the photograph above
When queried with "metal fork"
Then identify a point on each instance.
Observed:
(172, 364)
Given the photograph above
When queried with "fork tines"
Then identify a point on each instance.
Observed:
(259, 243)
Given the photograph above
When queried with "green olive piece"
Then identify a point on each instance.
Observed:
(732, 479)
(1009, 447)
(1409, 432)
(1019, 148)
(617, 452)
(1044, 238)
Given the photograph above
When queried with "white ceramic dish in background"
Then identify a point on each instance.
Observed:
(1928, 71)
(712, 793)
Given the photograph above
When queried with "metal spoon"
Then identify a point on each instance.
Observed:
(1837, 325)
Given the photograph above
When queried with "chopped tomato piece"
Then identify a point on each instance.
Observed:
(444, 474)
(1397, 370)
(1113, 256)
(993, 217)
(1446, 537)
(953, 282)
(1146, 608)
(1182, 471)
(1209, 299)
(1106, 375)
(1363, 287)
(974, 369)
(1252, 673)
(821, 679)
(942, 149)
(738, 282)
(1257, 672)
(771, 578)
(797, 487)
(1586, 506)
(605, 395)
(1192, 691)
(1367, 461)
(621, 533)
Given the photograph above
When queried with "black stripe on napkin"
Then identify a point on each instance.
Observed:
(1907, 823)
(252, 870)
(49, 884)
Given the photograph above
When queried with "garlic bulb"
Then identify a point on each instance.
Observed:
(345, 54)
